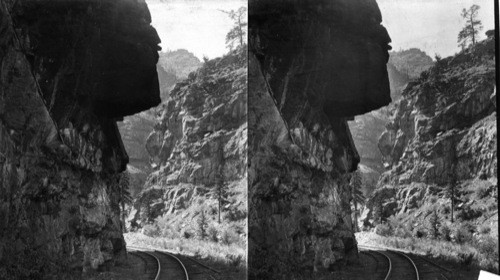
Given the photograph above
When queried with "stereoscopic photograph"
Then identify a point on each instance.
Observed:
(248, 139)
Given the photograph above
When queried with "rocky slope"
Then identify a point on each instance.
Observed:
(174, 66)
(444, 135)
(410, 62)
(309, 73)
(181, 62)
(68, 71)
(199, 143)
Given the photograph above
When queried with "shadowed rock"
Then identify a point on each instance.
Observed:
(69, 69)
(313, 65)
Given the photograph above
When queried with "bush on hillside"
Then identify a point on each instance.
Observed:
(433, 225)
(229, 237)
(151, 230)
(461, 234)
(488, 250)
(213, 233)
(420, 231)
(383, 230)
(445, 232)
(399, 225)
(202, 224)
(484, 229)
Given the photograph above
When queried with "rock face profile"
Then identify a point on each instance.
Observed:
(198, 143)
(313, 65)
(366, 129)
(443, 135)
(172, 67)
(69, 70)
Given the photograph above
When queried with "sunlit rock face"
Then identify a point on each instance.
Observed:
(443, 132)
(68, 70)
(199, 141)
(313, 65)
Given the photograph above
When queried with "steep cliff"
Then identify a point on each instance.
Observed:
(68, 71)
(313, 65)
(199, 144)
(366, 129)
(172, 67)
(442, 141)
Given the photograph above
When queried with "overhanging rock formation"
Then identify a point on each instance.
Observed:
(69, 69)
(313, 65)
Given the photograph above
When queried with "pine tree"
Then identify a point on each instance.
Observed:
(357, 195)
(472, 27)
(221, 186)
(125, 197)
(238, 32)
(202, 224)
(434, 224)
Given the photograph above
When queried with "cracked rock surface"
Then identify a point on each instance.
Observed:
(68, 71)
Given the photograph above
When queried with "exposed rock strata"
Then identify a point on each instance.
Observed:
(312, 67)
(443, 133)
(367, 128)
(199, 142)
(172, 67)
(68, 69)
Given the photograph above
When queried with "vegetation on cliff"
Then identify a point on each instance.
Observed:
(198, 154)
(441, 149)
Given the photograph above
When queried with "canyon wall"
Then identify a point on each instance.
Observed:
(442, 141)
(366, 129)
(313, 65)
(198, 146)
(69, 70)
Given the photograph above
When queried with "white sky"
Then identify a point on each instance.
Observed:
(431, 25)
(195, 25)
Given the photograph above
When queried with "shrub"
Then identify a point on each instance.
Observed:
(433, 225)
(488, 253)
(187, 234)
(482, 191)
(467, 213)
(212, 233)
(234, 260)
(466, 258)
(383, 230)
(229, 237)
(213, 210)
(445, 232)
(399, 225)
(151, 230)
(234, 215)
(461, 234)
(484, 229)
(202, 224)
(488, 246)
(402, 232)
(170, 232)
(419, 231)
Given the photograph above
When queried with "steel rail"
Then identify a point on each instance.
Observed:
(157, 277)
(411, 261)
(177, 259)
(370, 247)
(390, 264)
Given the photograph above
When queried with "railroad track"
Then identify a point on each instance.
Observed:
(152, 265)
(163, 265)
(382, 264)
(395, 264)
